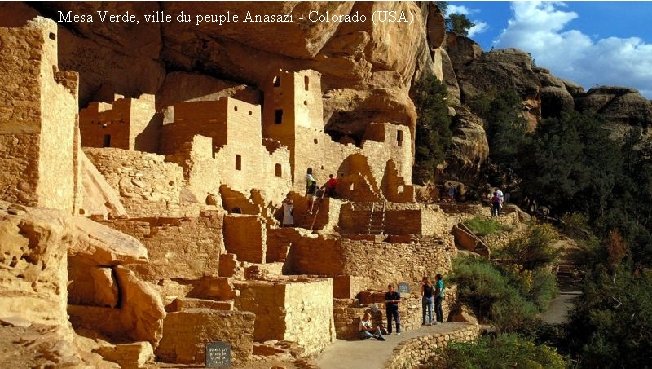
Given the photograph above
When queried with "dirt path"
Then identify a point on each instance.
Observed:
(557, 312)
(372, 354)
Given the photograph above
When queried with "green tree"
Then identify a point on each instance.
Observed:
(571, 165)
(433, 128)
(506, 128)
(611, 326)
(459, 24)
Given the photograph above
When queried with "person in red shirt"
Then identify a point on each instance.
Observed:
(330, 186)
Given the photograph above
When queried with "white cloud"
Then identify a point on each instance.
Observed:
(478, 28)
(541, 29)
(459, 9)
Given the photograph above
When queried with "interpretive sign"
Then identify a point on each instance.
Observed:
(218, 355)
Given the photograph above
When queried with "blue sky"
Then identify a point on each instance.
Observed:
(591, 43)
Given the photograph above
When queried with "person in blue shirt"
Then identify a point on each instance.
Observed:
(439, 298)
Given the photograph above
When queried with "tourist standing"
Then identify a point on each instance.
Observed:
(495, 205)
(427, 301)
(440, 292)
(392, 299)
(288, 211)
(311, 189)
(331, 186)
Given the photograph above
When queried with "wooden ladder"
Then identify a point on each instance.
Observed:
(376, 219)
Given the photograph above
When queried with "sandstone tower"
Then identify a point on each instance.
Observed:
(39, 135)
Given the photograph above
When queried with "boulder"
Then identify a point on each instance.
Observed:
(462, 313)
(142, 311)
(97, 244)
(34, 246)
(129, 356)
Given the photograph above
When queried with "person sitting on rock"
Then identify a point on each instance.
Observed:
(367, 330)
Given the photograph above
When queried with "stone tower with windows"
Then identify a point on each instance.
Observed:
(293, 114)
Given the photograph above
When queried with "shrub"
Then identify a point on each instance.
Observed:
(506, 351)
(533, 250)
(492, 295)
(483, 226)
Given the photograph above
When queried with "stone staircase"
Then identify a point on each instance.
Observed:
(376, 218)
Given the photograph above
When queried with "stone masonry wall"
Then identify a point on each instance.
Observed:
(146, 183)
(299, 311)
(379, 262)
(127, 123)
(309, 314)
(186, 333)
(38, 120)
(418, 351)
(347, 312)
(246, 236)
(402, 219)
(179, 248)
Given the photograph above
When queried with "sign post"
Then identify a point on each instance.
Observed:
(218, 355)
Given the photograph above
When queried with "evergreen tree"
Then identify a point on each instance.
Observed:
(433, 131)
(459, 24)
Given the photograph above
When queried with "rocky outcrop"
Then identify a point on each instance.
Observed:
(555, 96)
(38, 248)
(34, 247)
(620, 106)
(184, 86)
(469, 149)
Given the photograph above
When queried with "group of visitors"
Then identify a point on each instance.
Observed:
(313, 192)
(329, 189)
(431, 296)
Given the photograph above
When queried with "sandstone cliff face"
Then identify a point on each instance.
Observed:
(365, 67)
(469, 149)
(621, 107)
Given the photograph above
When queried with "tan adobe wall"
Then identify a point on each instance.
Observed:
(147, 185)
(102, 121)
(246, 236)
(38, 120)
(206, 118)
(186, 333)
(399, 219)
(418, 351)
(299, 311)
(300, 127)
(378, 262)
(131, 123)
(199, 168)
(184, 248)
(145, 124)
(347, 312)
(236, 157)
(19, 168)
(309, 314)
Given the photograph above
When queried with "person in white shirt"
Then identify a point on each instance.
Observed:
(367, 330)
